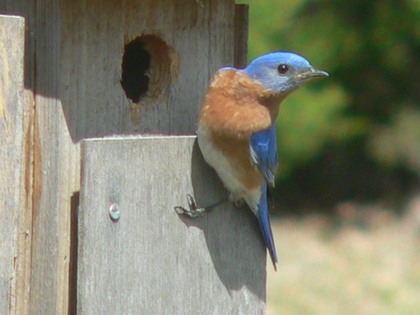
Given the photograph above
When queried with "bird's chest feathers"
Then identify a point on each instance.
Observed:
(236, 106)
(238, 151)
(231, 158)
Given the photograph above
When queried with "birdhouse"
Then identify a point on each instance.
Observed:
(98, 110)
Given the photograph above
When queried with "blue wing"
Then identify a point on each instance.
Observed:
(265, 226)
(263, 146)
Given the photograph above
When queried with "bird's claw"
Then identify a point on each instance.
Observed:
(238, 203)
(192, 210)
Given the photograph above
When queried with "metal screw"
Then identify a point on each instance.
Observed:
(114, 212)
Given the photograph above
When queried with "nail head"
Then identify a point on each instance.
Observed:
(114, 212)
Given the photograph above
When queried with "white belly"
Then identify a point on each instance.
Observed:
(216, 159)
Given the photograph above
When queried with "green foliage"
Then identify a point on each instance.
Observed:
(309, 120)
(365, 116)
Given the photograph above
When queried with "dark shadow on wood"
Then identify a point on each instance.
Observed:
(74, 206)
(224, 246)
(241, 35)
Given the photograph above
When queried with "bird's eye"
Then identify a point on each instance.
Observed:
(282, 69)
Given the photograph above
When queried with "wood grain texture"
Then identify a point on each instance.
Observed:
(153, 261)
(94, 104)
(73, 56)
(15, 171)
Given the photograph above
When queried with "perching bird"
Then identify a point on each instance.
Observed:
(237, 131)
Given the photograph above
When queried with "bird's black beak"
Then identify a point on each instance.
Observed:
(311, 73)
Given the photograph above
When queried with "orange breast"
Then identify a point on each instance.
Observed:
(235, 107)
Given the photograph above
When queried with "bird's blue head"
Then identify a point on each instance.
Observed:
(282, 72)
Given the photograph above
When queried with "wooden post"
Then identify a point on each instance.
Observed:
(15, 170)
(74, 53)
(241, 35)
(151, 260)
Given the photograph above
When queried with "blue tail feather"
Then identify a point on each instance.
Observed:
(265, 226)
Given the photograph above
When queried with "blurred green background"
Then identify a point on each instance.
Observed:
(356, 135)
(349, 149)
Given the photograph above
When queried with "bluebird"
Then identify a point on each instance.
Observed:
(237, 130)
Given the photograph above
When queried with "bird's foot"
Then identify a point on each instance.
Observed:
(238, 203)
(193, 211)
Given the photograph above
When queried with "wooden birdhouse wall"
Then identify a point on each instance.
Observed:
(78, 84)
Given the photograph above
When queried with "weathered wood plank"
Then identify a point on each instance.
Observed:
(15, 171)
(73, 66)
(153, 261)
(201, 34)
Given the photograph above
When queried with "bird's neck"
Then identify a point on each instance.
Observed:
(272, 103)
